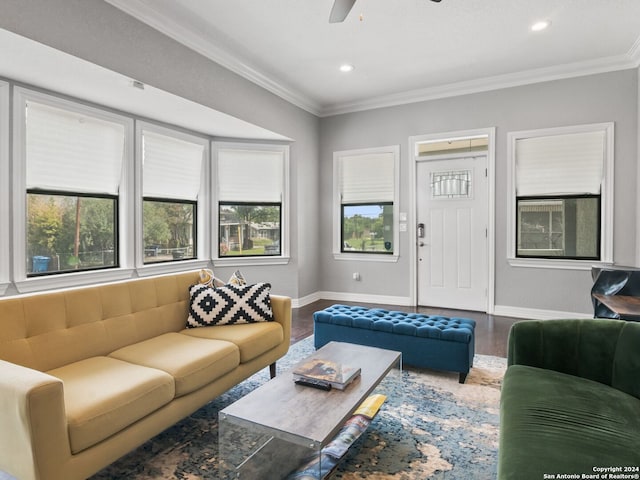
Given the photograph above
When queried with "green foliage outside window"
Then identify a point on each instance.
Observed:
(168, 230)
(367, 228)
(249, 229)
(68, 232)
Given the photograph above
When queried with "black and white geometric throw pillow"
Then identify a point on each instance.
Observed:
(229, 305)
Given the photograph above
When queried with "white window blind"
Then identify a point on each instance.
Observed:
(71, 151)
(172, 168)
(250, 175)
(367, 178)
(570, 164)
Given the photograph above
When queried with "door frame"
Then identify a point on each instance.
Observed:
(413, 207)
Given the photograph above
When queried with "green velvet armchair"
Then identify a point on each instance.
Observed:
(570, 400)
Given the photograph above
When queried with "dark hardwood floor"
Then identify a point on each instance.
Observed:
(491, 331)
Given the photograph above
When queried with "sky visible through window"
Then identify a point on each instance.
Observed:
(369, 211)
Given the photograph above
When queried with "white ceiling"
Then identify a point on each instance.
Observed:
(402, 50)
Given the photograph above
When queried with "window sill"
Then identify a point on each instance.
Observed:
(65, 280)
(366, 257)
(242, 261)
(556, 264)
(171, 267)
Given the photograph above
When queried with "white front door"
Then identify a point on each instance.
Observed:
(452, 250)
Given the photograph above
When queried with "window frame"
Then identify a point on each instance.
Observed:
(257, 204)
(196, 216)
(338, 253)
(606, 199)
(343, 241)
(116, 222)
(125, 238)
(13, 195)
(285, 231)
(5, 255)
(560, 199)
(201, 240)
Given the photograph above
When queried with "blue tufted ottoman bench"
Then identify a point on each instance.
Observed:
(428, 341)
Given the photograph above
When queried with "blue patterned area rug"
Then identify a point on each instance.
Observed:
(430, 427)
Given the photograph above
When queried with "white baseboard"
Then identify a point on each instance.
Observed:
(535, 313)
(306, 300)
(350, 297)
(499, 310)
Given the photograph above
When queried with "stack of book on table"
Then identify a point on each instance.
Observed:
(326, 372)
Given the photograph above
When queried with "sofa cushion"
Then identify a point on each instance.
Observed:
(229, 305)
(568, 421)
(252, 339)
(104, 395)
(192, 362)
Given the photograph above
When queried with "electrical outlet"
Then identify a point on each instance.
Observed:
(356, 276)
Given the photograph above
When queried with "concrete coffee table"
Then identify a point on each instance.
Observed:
(272, 430)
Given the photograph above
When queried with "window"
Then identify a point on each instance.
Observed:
(252, 191)
(367, 228)
(248, 229)
(563, 183)
(451, 184)
(366, 201)
(5, 259)
(85, 197)
(67, 233)
(73, 160)
(566, 227)
(172, 177)
(169, 230)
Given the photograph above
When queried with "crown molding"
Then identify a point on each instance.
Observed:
(145, 12)
(634, 52)
(578, 69)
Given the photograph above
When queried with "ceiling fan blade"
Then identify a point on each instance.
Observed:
(340, 10)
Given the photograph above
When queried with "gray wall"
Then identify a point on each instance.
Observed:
(95, 31)
(610, 97)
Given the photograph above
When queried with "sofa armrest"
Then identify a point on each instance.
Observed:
(600, 350)
(281, 307)
(33, 437)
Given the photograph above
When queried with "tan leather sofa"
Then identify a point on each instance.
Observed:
(89, 374)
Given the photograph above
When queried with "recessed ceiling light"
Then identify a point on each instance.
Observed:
(346, 67)
(541, 25)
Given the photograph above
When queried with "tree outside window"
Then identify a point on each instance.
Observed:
(367, 228)
(249, 229)
(168, 230)
(67, 232)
